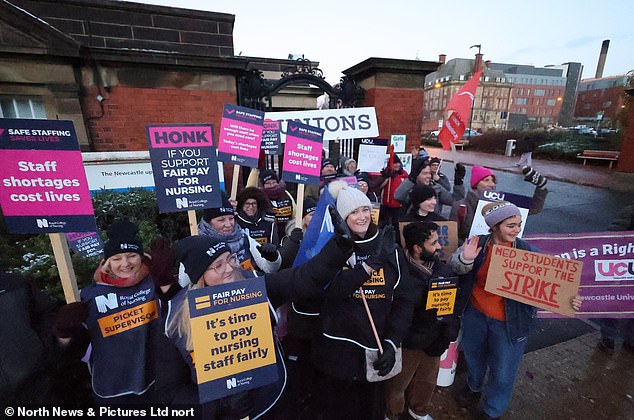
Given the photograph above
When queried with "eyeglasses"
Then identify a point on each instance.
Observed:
(220, 267)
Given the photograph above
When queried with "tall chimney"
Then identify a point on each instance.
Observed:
(478, 63)
(442, 58)
(488, 64)
(602, 56)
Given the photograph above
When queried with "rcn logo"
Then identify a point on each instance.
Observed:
(182, 203)
(298, 177)
(106, 302)
(234, 158)
(231, 383)
(41, 223)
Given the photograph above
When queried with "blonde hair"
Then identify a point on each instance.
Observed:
(179, 324)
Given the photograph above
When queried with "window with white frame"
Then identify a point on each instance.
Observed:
(21, 107)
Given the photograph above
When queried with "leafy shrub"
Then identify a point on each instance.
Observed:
(32, 255)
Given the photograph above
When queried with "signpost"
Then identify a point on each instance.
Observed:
(233, 339)
(44, 187)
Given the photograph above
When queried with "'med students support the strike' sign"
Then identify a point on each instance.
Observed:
(233, 340)
(185, 166)
(536, 279)
(44, 187)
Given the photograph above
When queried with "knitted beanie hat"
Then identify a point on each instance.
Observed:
(196, 253)
(347, 198)
(478, 173)
(421, 193)
(225, 209)
(268, 174)
(122, 238)
(326, 162)
(498, 211)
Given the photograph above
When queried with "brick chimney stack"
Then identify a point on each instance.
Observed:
(602, 57)
(488, 64)
(477, 65)
(442, 58)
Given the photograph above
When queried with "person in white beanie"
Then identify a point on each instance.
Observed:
(372, 276)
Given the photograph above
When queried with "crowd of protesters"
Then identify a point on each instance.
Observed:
(358, 340)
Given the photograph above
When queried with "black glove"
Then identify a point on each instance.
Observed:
(384, 248)
(534, 177)
(386, 360)
(268, 251)
(162, 266)
(459, 173)
(343, 236)
(296, 235)
(70, 318)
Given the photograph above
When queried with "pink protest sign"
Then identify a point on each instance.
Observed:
(302, 153)
(44, 187)
(240, 135)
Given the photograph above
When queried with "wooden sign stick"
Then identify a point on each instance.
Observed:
(234, 181)
(299, 208)
(64, 267)
(193, 223)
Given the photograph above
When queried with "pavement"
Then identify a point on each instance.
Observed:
(573, 379)
(595, 173)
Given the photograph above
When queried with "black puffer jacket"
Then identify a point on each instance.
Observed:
(344, 331)
(25, 341)
(428, 332)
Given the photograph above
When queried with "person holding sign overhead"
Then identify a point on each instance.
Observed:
(495, 329)
(365, 314)
(210, 263)
(433, 327)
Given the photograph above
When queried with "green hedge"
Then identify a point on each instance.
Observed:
(553, 145)
(32, 255)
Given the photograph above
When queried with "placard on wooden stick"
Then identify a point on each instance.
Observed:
(540, 280)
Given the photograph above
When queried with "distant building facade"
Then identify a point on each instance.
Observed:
(492, 99)
(600, 102)
(509, 96)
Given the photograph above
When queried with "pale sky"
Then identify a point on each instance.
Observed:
(342, 33)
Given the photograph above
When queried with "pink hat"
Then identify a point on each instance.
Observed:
(478, 173)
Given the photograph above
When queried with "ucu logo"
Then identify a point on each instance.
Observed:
(614, 270)
(493, 195)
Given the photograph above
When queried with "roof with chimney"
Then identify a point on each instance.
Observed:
(457, 67)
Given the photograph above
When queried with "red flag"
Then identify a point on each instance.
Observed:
(454, 127)
(390, 162)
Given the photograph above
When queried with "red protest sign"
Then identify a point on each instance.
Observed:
(540, 280)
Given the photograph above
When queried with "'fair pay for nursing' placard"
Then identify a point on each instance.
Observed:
(234, 349)
(185, 166)
(539, 280)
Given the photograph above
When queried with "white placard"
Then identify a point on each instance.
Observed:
(398, 140)
(372, 158)
(344, 123)
(406, 161)
(479, 226)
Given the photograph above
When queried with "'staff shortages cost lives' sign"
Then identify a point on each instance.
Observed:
(233, 340)
(240, 135)
(185, 167)
(44, 187)
(302, 153)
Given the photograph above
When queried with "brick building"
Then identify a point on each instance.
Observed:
(601, 101)
(492, 99)
(111, 67)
